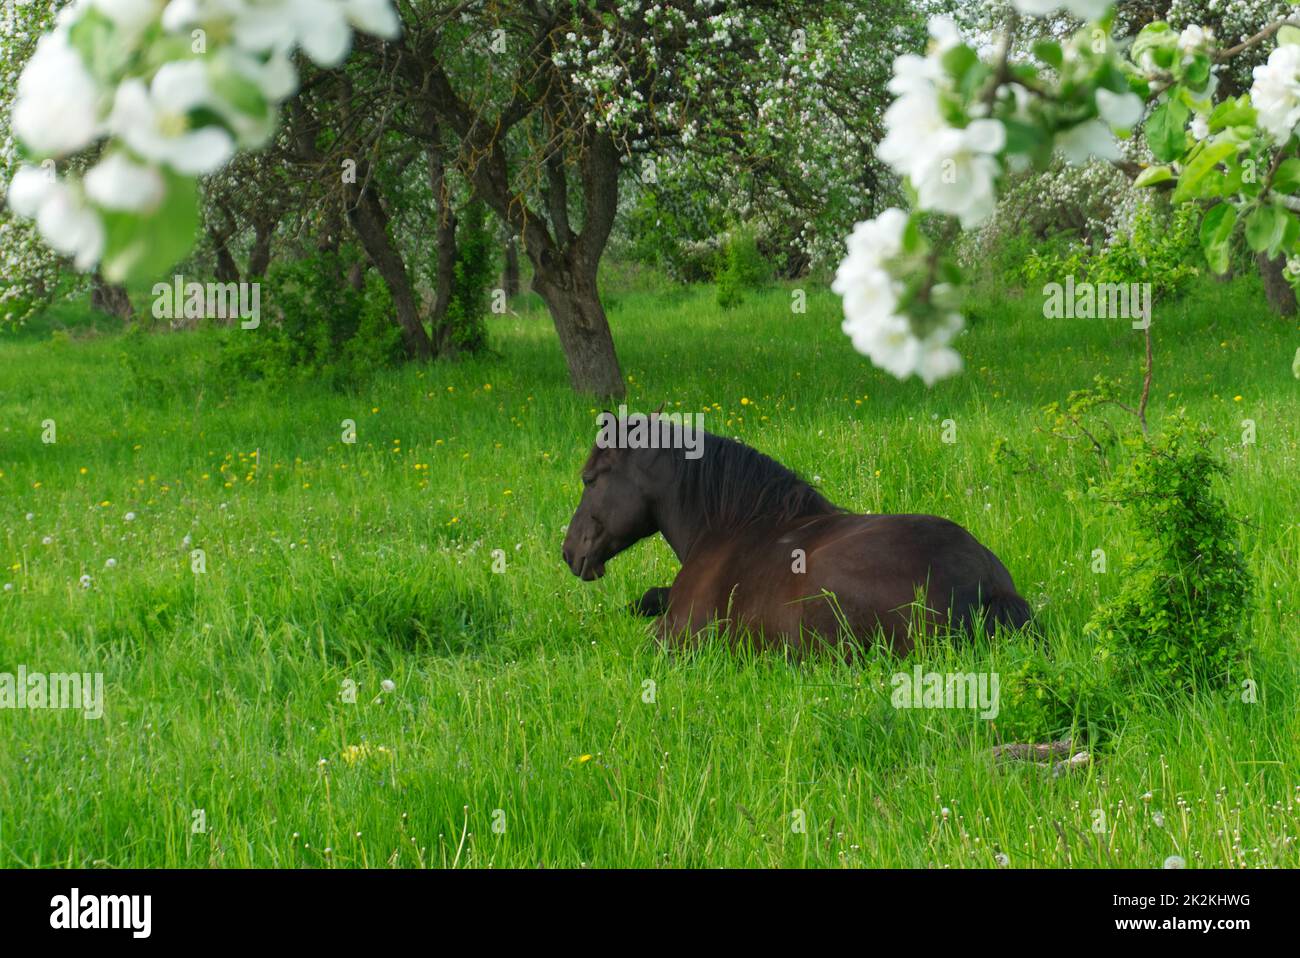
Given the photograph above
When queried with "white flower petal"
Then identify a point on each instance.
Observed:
(128, 15)
(180, 86)
(1120, 110)
(116, 183)
(71, 227)
(1091, 139)
(375, 17)
(323, 32)
(201, 151)
(57, 107)
(30, 187)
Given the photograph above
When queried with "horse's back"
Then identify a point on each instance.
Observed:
(847, 577)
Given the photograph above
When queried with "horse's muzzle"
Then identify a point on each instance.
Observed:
(583, 568)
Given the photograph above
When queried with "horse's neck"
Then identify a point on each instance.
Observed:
(685, 529)
(679, 528)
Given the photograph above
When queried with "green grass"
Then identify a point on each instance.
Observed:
(524, 691)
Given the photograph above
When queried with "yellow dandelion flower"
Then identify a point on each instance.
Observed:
(355, 753)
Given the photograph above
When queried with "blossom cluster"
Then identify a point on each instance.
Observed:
(165, 90)
(950, 137)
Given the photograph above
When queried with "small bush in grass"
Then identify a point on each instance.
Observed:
(1161, 250)
(1185, 587)
(744, 269)
(316, 326)
(473, 276)
(1042, 700)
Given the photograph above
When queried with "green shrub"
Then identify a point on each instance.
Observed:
(1041, 700)
(1163, 250)
(1185, 588)
(744, 269)
(473, 277)
(315, 325)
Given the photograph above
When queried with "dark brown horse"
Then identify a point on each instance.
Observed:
(763, 552)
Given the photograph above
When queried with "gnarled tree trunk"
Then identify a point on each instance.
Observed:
(569, 291)
(368, 219)
(1277, 290)
(259, 258)
(444, 241)
(227, 268)
(111, 299)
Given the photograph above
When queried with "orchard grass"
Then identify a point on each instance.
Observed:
(520, 697)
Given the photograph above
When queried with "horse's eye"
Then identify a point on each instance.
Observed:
(586, 480)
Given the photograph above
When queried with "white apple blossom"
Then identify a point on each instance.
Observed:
(321, 27)
(117, 183)
(1083, 9)
(131, 16)
(153, 120)
(65, 103)
(953, 169)
(66, 222)
(958, 169)
(1200, 126)
(1194, 38)
(1091, 139)
(1276, 92)
(1121, 110)
(57, 108)
(870, 295)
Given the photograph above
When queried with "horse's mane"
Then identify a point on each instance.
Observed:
(731, 484)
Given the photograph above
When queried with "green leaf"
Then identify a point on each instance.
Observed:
(1270, 228)
(240, 92)
(1166, 131)
(1153, 175)
(1216, 235)
(958, 60)
(1201, 177)
(1232, 112)
(1287, 177)
(1050, 53)
(1197, 73)
(1023, 137)
(142, 247)
(1288, 34)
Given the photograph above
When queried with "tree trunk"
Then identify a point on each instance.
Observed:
(260, 257)
(1277, 290)
(444, 243)
(368, 219)
(227, 268)
(357, 276)
(110, 299)
(510, 273)
(571, 297)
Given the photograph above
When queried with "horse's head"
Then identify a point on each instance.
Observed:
(616, 510)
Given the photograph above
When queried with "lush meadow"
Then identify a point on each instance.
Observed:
(530, 720)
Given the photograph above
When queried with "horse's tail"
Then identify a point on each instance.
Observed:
(1008, 610)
